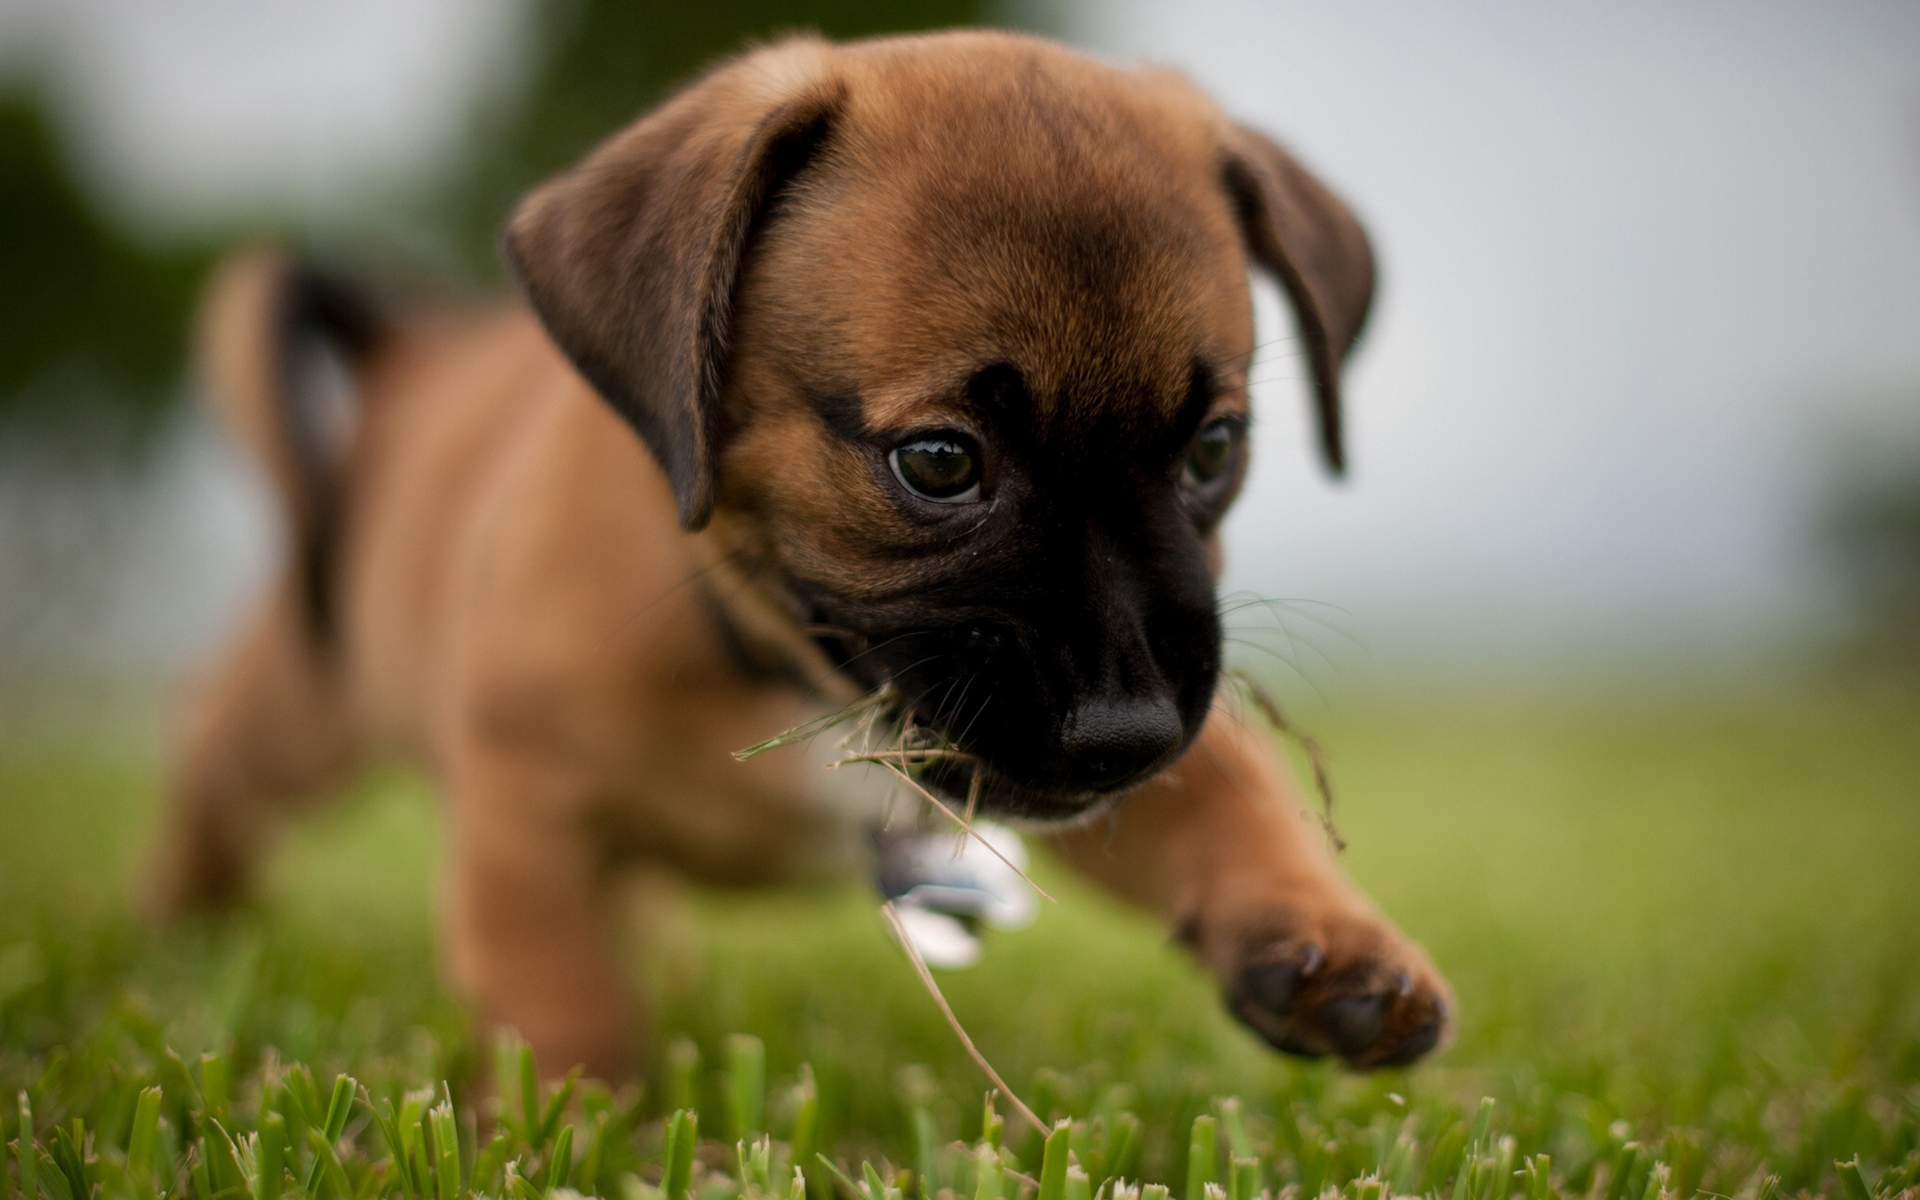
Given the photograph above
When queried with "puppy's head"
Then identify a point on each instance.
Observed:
(949, 337)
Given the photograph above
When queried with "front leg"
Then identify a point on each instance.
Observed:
(1218, 843)
(527, 913)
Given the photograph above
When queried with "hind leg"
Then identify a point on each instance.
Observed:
(265, 733)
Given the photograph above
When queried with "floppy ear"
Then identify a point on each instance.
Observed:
(630, 257)
(1301, 232)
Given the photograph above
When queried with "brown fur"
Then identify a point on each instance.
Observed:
(806, 251)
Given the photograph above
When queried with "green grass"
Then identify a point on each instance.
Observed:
(1685, 938)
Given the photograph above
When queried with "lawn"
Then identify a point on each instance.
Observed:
(1684, 932)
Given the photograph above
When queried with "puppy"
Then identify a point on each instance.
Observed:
(915, 364)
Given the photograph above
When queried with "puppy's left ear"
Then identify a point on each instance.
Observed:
(1301, 232)
(631, 256)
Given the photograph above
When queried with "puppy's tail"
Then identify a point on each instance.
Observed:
(281, 349)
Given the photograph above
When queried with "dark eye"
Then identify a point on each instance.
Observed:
(943, 467)
(1210, 454)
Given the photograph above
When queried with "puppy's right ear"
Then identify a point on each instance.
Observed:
(631, 256)
(1301, 232)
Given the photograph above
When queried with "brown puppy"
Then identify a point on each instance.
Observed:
(936, 348)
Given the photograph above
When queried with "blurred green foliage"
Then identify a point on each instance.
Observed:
(83, 305)
(608, 60)
(88, 311)
(1873, 529)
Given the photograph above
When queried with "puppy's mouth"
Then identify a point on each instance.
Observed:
(989, 710)
(962, 776)
(953, 779)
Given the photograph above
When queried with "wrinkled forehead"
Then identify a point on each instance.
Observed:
(1082, 239)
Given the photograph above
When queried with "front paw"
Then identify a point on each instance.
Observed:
(1348, 984)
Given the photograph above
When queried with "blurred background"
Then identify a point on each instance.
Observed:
(1640, 401)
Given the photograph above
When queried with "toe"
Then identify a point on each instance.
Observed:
(1273, 980)
(1416, 1022)
(1415, 1044)
(1352, 1023)
(1270, 985)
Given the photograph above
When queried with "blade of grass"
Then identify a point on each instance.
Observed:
(987, 1178)
(1243, 1179)
(746, 1085)
(1658, 1176)
(69, 1157)
(1852, 1180)
(682, 1127)
(326, 1167)
(52, 1178)
(1202, 1151)
(756, 1164)
(23, 1151)
(142, 1140)
(385, 1121)
(926, 1145)
(530, 1100)
(270, 1157)
(413, 1131)
(1463, 1179)
(1125, 1142)
(214, 1084)
(560, 1162)
(446, 1151)
(853, 1190)
(1621, 1173)
(1053, 1162)
(1482, 1122)
(198, 1174)
(224, 1159)
(588, 1176)
(1540, 1178)
(519, 1188)
(339, 1108)
(1233, 1122)
(489, 1163)
(992, 1125)
(806, 1117)
(556, 1106)
(683, 1075)
(1398, 1170)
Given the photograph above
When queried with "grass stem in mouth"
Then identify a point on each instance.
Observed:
(926, 977)
(966, 818)
(865, 706)
(909, 756)
(1316, 753)
(955, 817)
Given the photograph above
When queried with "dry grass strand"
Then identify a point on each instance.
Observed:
(980, 1060)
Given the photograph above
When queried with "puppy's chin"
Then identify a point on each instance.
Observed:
(1008, 800)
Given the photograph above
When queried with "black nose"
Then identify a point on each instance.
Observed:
(1111, 742)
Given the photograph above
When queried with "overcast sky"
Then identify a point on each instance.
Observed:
(185, 113)
(1644, 267)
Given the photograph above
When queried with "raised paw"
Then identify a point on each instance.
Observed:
(1348, 985)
